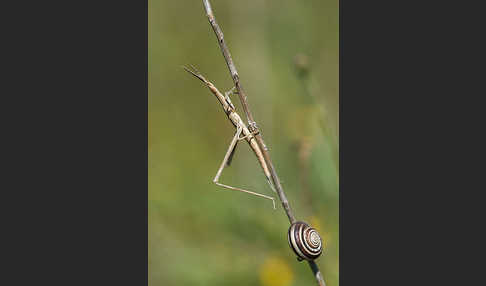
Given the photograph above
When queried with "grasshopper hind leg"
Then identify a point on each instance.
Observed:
(229, 154)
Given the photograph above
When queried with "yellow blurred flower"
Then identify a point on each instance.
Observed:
(275, 272)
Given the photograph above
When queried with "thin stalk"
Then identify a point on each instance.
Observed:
(253, 126)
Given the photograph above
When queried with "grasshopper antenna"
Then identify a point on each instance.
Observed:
(195, 73)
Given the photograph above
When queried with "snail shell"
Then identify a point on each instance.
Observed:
(304, 241)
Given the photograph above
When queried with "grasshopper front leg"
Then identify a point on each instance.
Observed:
(227, 96)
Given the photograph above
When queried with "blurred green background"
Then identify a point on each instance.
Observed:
(287, 55)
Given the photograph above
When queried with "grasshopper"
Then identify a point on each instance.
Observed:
(242, 133)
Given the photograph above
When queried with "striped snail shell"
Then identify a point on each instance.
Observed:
(304, 241)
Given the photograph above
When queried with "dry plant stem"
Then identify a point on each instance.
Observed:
(244, 103)
(317, 273)
(252, 124)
